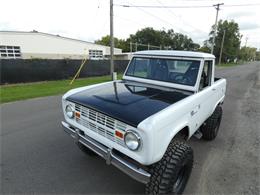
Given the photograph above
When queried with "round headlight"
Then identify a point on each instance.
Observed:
(69, 111)
(132, 140)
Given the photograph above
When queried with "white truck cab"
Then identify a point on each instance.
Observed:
(141, 123)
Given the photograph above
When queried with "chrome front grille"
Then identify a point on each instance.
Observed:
(100, 123)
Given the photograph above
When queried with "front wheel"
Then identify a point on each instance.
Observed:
(170, 175)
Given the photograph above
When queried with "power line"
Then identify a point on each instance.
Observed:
(242, 5)
(158, 18)
(129, 20)
(148, 13)
(228, 54)
(182, 7)
(170, 11)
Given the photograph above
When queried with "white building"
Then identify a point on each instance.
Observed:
(27, 45)
(121, 56)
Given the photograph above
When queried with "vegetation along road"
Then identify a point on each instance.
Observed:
(37, 157)
(24, 91)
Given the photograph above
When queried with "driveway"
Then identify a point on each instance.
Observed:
(38, 157)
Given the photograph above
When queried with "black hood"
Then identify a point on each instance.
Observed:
(125, 102)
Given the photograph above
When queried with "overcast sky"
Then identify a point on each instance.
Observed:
(89, 19)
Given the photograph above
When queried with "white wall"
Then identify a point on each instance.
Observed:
(35, 44)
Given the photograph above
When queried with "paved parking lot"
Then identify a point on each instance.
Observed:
(37, 157)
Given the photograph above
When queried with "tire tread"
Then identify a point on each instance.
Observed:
(208, 130)
(161, 181)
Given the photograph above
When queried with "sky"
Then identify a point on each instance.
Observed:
(89, 19)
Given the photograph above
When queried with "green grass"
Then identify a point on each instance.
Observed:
(24, 91)
(228, 64)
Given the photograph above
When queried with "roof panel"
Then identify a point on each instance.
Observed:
(50, 35)
(192, 54)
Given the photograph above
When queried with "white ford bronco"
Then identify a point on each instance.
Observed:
(141, 124)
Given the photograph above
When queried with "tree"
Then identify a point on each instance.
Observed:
(257, 56)
(231, 41)
(149, 36)
(119, 43)
(247, 53)
(105, 40)
(206, 47)
(165, 39)
(183, 42)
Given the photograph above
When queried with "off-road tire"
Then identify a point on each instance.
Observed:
(210, 128)
(85, 149)
(172, 170)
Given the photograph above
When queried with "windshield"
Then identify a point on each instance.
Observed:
(177, 71)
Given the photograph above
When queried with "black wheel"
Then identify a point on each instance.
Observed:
(85, 149)
(170, 175)
(210, 128)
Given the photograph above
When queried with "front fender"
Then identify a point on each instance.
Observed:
(163, 135)
(167, 134)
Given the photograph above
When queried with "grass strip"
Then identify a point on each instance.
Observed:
(15, 92)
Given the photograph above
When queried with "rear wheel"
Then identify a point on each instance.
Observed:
(210, 128)
(85, 149)
(170, 175)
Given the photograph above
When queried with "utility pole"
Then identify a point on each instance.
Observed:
(215, 26)
(246, 41)
(112, 44)
(221, 49)
(131, 47)
(135, 46)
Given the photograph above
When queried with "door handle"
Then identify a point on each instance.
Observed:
(195, 110)
(214, 89)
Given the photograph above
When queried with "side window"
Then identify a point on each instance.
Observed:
(205, 80)
(139, 68)
(178, 66)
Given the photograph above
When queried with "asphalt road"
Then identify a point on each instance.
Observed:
(38, 157)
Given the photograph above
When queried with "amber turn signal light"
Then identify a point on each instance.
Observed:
(119, 134)
(77, 114)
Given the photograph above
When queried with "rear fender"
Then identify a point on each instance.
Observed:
(221, 101)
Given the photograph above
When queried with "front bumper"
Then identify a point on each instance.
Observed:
(111, 157)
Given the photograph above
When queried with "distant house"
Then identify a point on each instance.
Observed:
(27, 45)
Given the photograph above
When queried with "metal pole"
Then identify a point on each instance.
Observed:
(135, 46)
(221, 49)
(111, 40)
(131, 47)
(215, 26)
(246, 41)
(148, 46)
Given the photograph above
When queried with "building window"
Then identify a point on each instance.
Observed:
(10, 51)
(95, 54)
